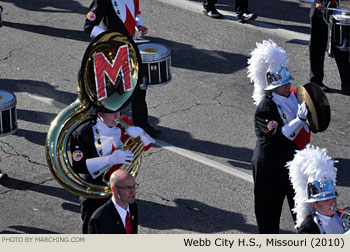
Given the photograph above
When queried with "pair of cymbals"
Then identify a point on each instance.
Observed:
(319, 111)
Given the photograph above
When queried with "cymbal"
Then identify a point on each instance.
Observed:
(319, 112)
(312, 119)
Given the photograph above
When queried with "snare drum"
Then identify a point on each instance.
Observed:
(340, 34)
(156, 62)
(8, 113)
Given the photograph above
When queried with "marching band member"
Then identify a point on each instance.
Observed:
(122, 16)
(313, 176)
(95, 148)
(280, 127)
(317, 48)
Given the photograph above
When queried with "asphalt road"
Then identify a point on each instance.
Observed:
(197, 179)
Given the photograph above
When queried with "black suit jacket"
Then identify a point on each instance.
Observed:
(106, 220)
(273, 149)
(309, 226)
(104, 11)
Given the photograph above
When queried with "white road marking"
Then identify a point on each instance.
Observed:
(47, 100)
(206, 161)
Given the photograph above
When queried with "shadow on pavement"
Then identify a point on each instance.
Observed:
(239, 157)
(47, 5)
(26, 230)
(187, 57)
(20, 185)
(195, 216)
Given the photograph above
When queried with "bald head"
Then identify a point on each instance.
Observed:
(123, 188)
(118, 176)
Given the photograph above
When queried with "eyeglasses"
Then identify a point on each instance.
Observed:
(129, 188)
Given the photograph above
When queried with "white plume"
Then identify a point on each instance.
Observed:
(266, 56)
(309, 164)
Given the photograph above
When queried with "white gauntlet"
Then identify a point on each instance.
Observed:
(292, 129)
(98, 165)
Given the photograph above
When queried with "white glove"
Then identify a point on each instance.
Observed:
(120, 157)
(134, 132)
(302, 111)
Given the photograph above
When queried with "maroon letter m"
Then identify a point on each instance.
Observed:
(102, 67)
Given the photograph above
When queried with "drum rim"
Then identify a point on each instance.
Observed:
(6, 105)
(10, 132)
(159, 84)
(145, 44)
(155, 59)
(341, 17)
(151, 58)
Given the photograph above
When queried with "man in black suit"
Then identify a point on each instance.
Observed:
(119, 215)
(241, 8)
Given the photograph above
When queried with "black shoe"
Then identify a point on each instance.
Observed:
(151, 131)
(246, 16)
(213, 13)
(3, 175)
(324, 88)
(345, 91)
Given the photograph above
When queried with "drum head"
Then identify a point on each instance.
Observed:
(152, 52)
(342, 17)
(110, 71)
(7, 99)
(319, 112)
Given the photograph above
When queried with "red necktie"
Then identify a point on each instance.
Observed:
(128, 227)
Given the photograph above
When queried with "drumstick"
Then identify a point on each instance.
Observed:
(334, 9)
(148, 20)
(139, 41)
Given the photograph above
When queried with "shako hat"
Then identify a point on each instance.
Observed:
(313, 177)
(267, 68)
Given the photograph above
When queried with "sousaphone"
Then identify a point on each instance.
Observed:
(319, 111)
(108, 79)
